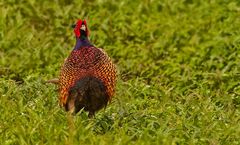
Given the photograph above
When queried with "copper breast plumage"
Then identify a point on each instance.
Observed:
(87, 61)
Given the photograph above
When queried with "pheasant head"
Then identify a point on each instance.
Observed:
(81, 32)
(81, 29)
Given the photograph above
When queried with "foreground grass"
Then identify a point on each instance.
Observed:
(178, 62)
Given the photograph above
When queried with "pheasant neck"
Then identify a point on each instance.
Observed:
(82, 41)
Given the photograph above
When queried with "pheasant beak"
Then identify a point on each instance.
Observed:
(83, 27)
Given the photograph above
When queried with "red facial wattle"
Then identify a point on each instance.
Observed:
(78, 26)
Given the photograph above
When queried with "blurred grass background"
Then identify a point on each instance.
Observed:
(178, 64)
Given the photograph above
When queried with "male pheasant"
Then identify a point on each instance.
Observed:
(87, 77)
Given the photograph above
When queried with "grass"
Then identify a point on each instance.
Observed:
(178, 64)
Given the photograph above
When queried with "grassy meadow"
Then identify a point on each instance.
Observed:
(178, 63)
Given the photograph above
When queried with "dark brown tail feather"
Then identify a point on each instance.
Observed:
(88, 93)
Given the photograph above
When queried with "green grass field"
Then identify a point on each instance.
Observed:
(178, 64)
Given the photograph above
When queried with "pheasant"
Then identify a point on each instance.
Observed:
(87, 77)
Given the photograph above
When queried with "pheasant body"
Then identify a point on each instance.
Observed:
(87, 78)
